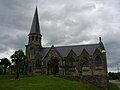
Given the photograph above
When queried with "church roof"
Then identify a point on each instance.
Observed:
(35, 28)
(64, 50)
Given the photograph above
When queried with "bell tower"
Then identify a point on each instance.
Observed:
(34, 43)
(34, 38)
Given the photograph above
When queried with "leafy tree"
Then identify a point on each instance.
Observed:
(81, 62)
(12, 67)
(27, 60)
(18, 58)
(6, 63)
(113, 75)
(1, 68)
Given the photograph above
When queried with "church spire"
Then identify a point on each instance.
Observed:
(35, 28)
(35, 35)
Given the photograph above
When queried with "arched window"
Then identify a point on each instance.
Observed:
(38, 64)
(86, 64)
(32, 53)
(71, 62)
(32, 38)
(98, 61)
(36, 38)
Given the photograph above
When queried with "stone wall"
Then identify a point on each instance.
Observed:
(100, 81)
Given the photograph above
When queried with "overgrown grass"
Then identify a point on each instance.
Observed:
(42, 83)
(113, 87)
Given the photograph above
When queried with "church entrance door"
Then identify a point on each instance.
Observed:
(53, 67)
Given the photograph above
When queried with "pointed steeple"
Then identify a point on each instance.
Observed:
(35, 35)
(35, 28)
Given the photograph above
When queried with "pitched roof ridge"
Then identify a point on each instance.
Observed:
(71, 45)
(76, 45)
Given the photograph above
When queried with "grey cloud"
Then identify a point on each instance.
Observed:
(12, 42)
(63, 22)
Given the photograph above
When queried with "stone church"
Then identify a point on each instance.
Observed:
(63, 60)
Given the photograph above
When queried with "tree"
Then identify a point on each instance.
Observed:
(113, 75)
(6, 63)
(12, 67)
(1, 68)
(81, 62)
(18, 58)
(27, 60)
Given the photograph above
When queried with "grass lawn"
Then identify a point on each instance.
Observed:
(113, 87)
(44, 83)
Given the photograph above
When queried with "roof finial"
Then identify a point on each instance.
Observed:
(100, 39)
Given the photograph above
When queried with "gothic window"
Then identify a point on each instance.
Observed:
(32, 38)
(98, 61)
(36, 38)
(38, 64)
(86, 64)
(71, 62)
(32, 53)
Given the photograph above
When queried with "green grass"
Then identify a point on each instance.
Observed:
(113, 87)
(42, 83)
(45, 83)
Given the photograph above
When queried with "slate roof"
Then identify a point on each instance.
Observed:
(64, 50)
(44, 51)
(35, 28)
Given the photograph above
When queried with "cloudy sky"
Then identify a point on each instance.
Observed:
(63, 22)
